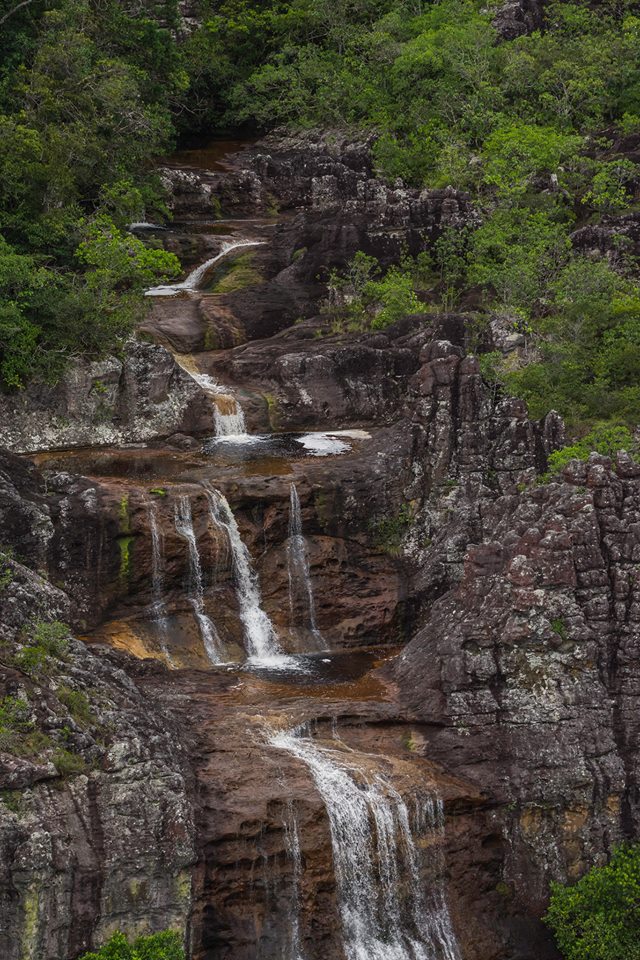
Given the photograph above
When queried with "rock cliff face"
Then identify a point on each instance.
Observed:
(96, 826)
(524, 677)
(479, 627)
(133, 399)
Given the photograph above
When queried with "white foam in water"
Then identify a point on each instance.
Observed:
(294, 852)
(385, 913)
(144, 225)
(184, 528)
(230, 424)
(324, 444)
(192, 282)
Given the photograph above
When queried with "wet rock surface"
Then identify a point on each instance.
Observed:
(456, 627)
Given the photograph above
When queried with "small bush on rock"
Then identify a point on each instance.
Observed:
(598, 918)
(606, 439)
(45, 644)
(158, 946)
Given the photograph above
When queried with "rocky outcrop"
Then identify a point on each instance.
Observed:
(517, 18)
(96, 829)
(138, 397)
(524, 678)
(333, 204)
(615, 238)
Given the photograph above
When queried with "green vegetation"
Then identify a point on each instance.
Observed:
(559, 627)
(598, 918)
(6, 571)
(534, 128)
(388, 531)
(84, 95)
(157, 946)
(361, 298)
(240, 273)
(606, 439)
(77, 703)
(45, 644)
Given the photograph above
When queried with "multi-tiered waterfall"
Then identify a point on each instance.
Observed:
(385, 910)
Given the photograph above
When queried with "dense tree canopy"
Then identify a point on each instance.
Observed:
(542, 131)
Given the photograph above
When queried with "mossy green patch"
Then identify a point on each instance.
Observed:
(239, 274)
(124, 545)
(123, 515)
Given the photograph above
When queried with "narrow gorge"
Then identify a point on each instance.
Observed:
(358, 686)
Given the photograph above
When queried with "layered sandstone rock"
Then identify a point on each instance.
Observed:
(136, 398)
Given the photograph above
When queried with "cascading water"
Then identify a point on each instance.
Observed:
(301, 602)
(293, 950)
(195, 278)
(184, 529)
(158, 609)
(385, 913)
(228, 417)
(260, 635)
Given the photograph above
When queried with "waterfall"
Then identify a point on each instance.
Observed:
(294, 853)
(385, 913)
(194, 279)
(184, 529)
(228, 417)
(300, 589)
(260, 635)
(158, 609)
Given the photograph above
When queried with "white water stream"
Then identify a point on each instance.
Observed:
(301, 601)
(158, 610)
(195, 278)
(261, 640)
(385, 913)
(208, 632)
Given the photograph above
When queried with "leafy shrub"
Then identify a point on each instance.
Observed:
(606, 439)
(6, 571)
(18, 734)
(389, 531)
(45, 644)
(360, 298)
(68, 763)
(77, 703)
(598, 918)
(15, 719)
(157, 946)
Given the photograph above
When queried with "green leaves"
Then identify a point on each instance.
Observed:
(598, 918)
(158, 946)
(517, 154)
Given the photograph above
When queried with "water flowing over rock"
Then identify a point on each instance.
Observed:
(300, 587)
(159, 609)
(375, 856)
(319, 533)
(260, 635)
(195, 278)
(184, 527)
